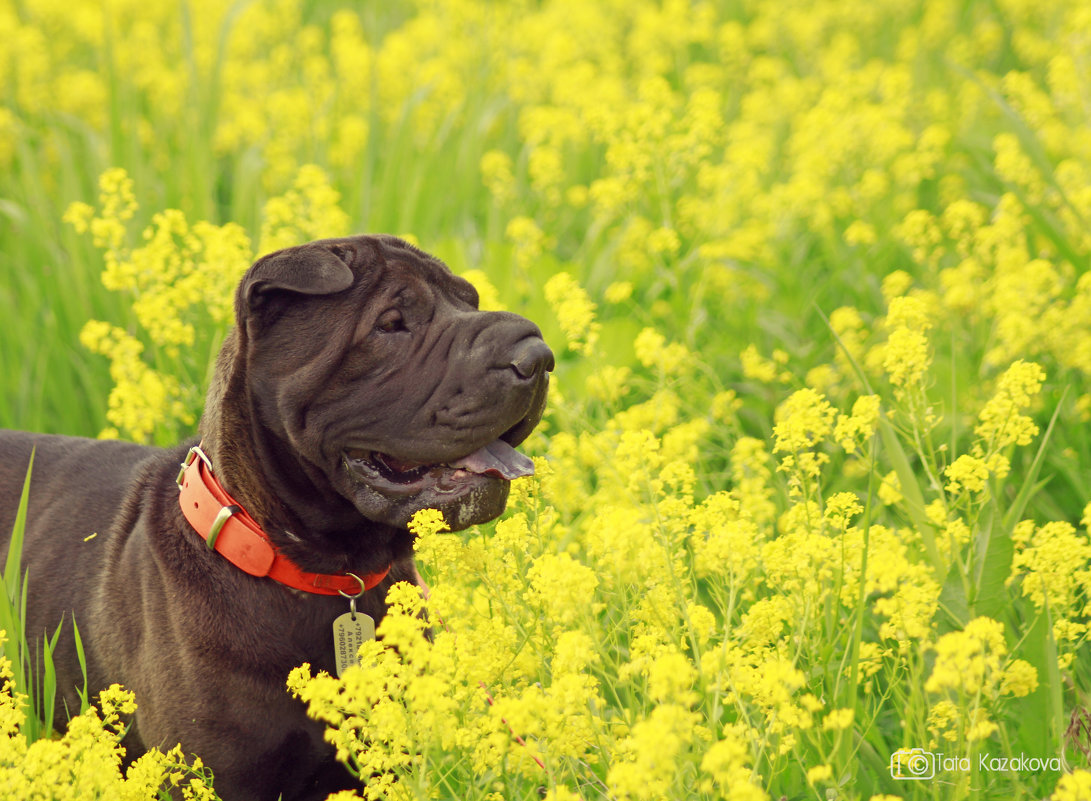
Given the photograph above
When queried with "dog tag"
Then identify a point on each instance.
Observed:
(350, 631)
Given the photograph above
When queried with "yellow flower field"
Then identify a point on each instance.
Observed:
(812, 512)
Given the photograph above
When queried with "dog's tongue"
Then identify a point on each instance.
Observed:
(498, 459)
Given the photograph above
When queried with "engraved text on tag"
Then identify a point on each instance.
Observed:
(350, 631)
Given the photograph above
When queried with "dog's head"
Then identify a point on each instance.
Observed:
(365, 367)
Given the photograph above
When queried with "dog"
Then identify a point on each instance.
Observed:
(359, 384)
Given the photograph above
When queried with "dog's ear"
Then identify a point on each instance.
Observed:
(313, 269)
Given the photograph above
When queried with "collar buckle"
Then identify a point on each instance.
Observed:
(194, 453)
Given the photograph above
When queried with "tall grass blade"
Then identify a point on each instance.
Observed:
(911, 493)
(15, 547)
(85, 702)
(954, 603)
(13, 610)
(993, 555)
(35, 672)
(45, 697)
(1041, 714)
(1031, 485)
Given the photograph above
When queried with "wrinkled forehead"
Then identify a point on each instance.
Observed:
(387, 262)
(428, 275)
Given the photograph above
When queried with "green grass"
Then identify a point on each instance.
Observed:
(31, 654)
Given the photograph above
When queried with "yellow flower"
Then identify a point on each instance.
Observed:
(819, 773)
(1000, 422)
(969, 661)
(619, 291)
(496, 174)
(546, 172)
(575, 312)
(427, 522)
(115, 701)
(1075, 786)
(944, 718)
(117, 203)
(141, 398)
(726, 542)
(906, 355)
(552, 794)
(859, 232)
(79, 216)
(488, 296)
(858, 427)
(981, 727)
(759, 368)
(530, 242)
(912, 606)
(725, 405)
(840, 508)
(653, 350)
(85, 761)
(966, 473)
(664, 240)
(1053, 561)
(308, 210)
(561, 587)
(647, 766)
(1020, 679)
(890, 489)
(727, 765)
(848, 326)
(609, 384)
(895, 285)
(838, 720)
(920, 232)
(803, 421)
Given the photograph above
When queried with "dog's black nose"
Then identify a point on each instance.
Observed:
(532, 357)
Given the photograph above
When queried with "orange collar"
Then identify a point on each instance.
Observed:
(230, 531)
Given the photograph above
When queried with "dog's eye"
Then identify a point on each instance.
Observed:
(390, 321)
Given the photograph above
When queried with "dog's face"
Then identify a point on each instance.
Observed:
(373, 363)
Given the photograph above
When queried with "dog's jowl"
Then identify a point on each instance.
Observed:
(360, 384)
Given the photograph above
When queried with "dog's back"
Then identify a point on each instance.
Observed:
(88, 475)
(76, 493)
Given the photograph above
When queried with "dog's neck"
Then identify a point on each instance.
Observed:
(280, 491)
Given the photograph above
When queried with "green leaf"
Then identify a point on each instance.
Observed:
(84, 700)
(992, 597)
(46, 696)
(1041, 714)
(911, 493)
(1031, 485)
(14, 559)
(953, 612)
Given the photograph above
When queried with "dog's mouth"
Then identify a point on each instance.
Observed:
(389, 485)
(392, 475)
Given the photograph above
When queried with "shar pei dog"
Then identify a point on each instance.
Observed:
(360, 384)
